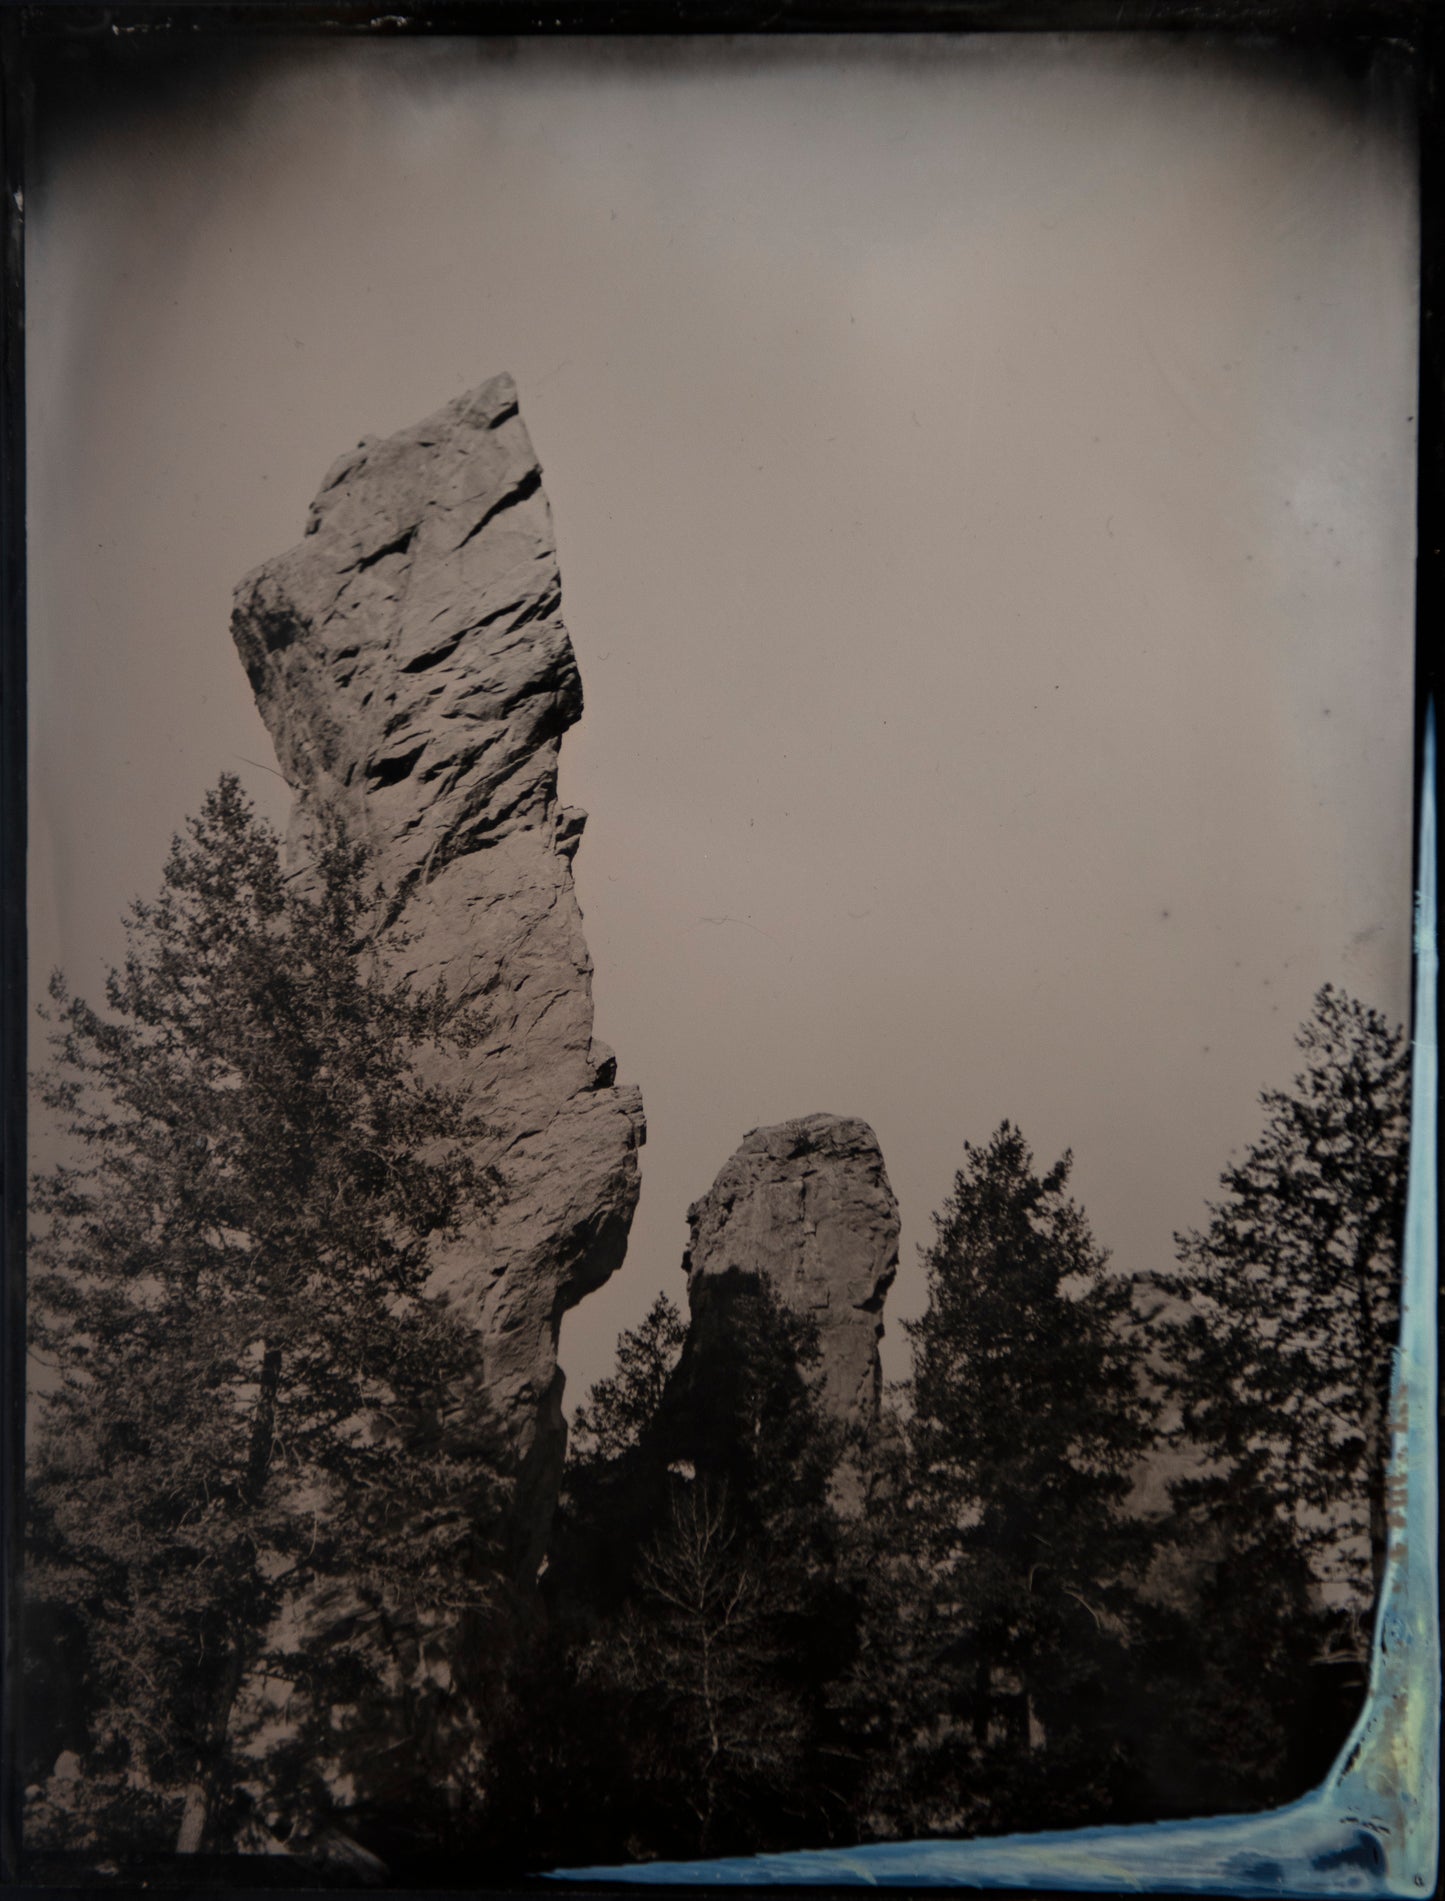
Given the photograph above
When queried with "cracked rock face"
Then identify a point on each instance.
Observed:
(411, 664)
(807, 1204)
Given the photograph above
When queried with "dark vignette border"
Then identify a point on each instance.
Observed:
(12, 920)
(106, 55)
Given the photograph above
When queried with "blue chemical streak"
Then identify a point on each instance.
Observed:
(1373, 1826)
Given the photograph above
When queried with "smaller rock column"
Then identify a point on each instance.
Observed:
(808, 1206)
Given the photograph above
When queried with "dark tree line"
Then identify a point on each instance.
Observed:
(266, 1606)
(1009, 1633)
(248, 1514)
(695, 1604)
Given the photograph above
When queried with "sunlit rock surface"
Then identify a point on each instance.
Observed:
(807, 1205)
(411, 663)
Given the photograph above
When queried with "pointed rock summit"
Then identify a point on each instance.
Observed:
(808, 1205)
(410, 661)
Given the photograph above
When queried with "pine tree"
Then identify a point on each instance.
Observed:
(885, 1698)
(736, 1624)
(1281, 1364)
(1029, 1419)
(245, 1409)
(619, 1411)
(697, 1614)
(580, 1771)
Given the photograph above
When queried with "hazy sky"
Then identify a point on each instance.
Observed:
(983, 477)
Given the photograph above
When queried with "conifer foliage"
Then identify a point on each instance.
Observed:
(1281, 1365)
(619, 1412)
(694, 1591)
(1029, 1416)
(241, 1366)
(264, 1475)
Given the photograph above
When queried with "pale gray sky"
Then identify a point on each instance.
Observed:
(983, 475)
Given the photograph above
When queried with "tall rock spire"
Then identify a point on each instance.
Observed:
(410, 661)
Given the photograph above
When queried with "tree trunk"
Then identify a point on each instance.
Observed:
(263, 1428)
(201, 1790)
(982, 1699)
(193, 1819)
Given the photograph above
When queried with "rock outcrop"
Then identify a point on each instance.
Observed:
(411, 663)
(808, 1206)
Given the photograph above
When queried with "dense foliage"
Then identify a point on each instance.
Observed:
(694, 1592)
(619, 1413)
(1281, 1362)
(1276, 1359)
(264, 1589)
(1014, 1637)
(1029, 1419)
(238, 1442)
